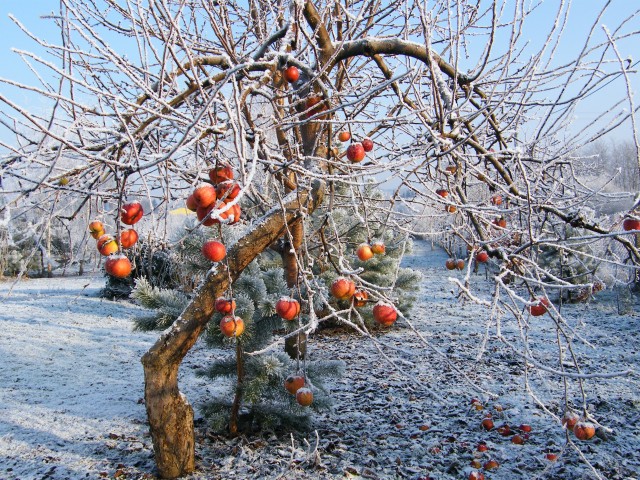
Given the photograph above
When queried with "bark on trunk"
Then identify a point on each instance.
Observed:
(169, 412)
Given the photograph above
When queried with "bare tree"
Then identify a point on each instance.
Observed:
(147, 97)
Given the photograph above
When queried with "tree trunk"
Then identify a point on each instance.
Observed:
(169, 412)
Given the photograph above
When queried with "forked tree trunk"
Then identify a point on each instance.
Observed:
(169, 412)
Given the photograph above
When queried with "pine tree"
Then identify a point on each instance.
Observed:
(256, 397)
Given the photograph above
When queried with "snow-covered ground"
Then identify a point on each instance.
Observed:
(71, 389)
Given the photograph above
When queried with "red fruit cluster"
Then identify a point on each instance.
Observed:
(357, 150)
(452, 264)
(117, 265)
(207, 197)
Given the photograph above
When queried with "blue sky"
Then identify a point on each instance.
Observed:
(582, 16)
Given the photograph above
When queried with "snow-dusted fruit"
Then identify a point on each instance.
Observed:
(364, 252)
(107, 245)
(450, 208)
(96, 228)
(385, 314)
(552, 457)
(225, 305)
(231, 326)
(540, 308)
(314, 105)
(482, 447)
(569, 419)
(367, 144)
(476, 475)
(491, 465)
(131, 213)
(221, 173)
(378, 248)
(482, 257)
(631, 224)
(360, 298)
(118, 266)
(525, 428)
(451, 169)
(205, 196)
(293, 383)
(487, 424)
(128, 238)
(304, 396)
(344, 136)
(342, 288)
(291, 74)
(227, 191)
(214, 251)
(355, 152)
(500, 222)
(496, 200)
(460, 264)
(442, 192)
(203, 215)
(517, 439)
(584, 430)
(450, 264)
(191, 203)
(287, 308)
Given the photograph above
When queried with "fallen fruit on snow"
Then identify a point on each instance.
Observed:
(491, 465)
(476, 476)
(487, 424)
